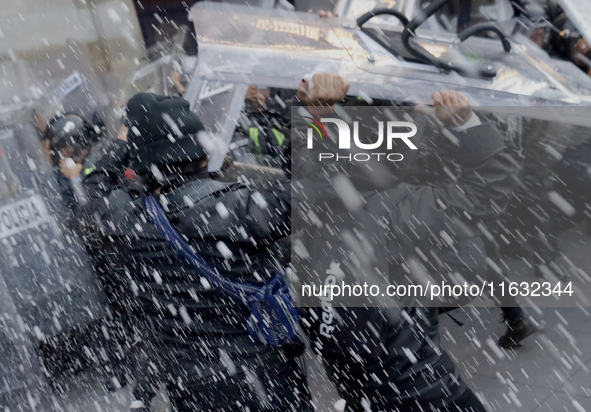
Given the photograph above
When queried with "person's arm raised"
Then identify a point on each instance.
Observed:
(326, 90)
(478, 194)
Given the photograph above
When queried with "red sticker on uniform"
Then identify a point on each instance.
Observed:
(129, 174)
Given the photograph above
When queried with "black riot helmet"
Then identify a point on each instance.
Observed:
(71, 133)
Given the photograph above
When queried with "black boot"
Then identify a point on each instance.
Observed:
(519, 327)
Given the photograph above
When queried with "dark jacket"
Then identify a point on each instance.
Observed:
(397, 357)
(232, 226)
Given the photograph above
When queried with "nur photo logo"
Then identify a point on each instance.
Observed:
(387, 132)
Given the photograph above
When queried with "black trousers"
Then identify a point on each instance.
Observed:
(387, 359)
(270, 384)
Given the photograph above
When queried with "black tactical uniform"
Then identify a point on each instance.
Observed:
(391, 358)
(198, 336)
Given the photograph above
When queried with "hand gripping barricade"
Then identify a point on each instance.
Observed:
(277, 48)
(273, 318)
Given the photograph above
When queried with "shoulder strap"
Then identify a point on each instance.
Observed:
(242, 291)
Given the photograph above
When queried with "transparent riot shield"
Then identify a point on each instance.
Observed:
(69, 80)
(532, 102)
(534, 252)
(163, 69)
(34, 211)
(220, 81)
(262, 46)
(577, 12)
(22, 88)
(58, 289)
(25, 386)
(220, 102)
(495, 10)
(535, 236)
(278, 48)
(57, 299)
(351, 9)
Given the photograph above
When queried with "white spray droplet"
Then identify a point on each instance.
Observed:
(222, 210)
(259, 200)
(157, 277)
(224, 250)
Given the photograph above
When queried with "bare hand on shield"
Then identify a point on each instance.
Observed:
(581, 54)
(69, 168)
(327, 90)
(451, 107)
(324, 14)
